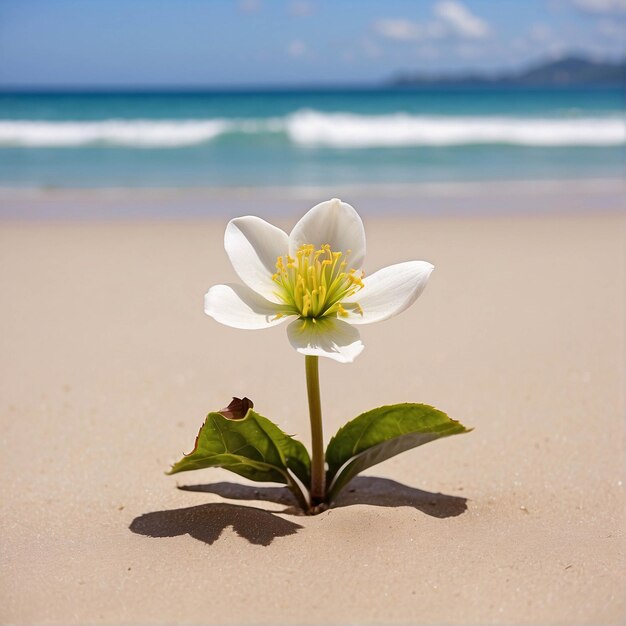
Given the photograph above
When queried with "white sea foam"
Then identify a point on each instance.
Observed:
(129, 133)
(314, 128)
(346, 130)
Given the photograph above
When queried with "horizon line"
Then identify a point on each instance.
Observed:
(469, 78)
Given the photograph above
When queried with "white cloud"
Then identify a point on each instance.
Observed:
(601, 6)
(611, 29)
(398, 29)
(453, 20)
(437, 30)
(249, 6)
(428, 52)
(539, 39)
(348, 56)
(468, 51)
(556, 50)
(300, 8)
(540, 32)
(519, 44)
(372, 50)
(460, 20)
(296, 48)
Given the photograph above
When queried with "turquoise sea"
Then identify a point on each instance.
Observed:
(324, 137)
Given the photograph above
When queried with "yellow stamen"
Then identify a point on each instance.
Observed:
(316, 282)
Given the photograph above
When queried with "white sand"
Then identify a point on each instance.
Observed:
(108, 366)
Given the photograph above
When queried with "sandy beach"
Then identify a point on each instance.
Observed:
(108, 366)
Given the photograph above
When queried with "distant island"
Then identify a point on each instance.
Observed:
(571, 71)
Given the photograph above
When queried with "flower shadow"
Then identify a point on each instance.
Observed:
(207, 521)
(369, 490)
(386, 492)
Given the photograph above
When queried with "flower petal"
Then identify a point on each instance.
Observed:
(253, 245)
(325, 336)
(240, 307)
(333, 222)
(390, 291)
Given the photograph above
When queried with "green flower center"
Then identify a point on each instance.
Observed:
(316, 283)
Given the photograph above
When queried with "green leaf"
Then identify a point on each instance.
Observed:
(252, 447)
(381, 433)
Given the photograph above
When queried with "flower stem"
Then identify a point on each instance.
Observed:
(318, 471)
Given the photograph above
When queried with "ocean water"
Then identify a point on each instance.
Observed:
(309, 137)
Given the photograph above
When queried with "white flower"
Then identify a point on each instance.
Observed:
(313, 274)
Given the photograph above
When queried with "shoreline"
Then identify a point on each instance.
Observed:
(449, 199)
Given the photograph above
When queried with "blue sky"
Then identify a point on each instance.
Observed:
(210, 43)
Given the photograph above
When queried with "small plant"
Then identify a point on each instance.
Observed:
(314, 277)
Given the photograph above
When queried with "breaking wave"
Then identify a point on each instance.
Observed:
(343, 130)
(315, 128)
